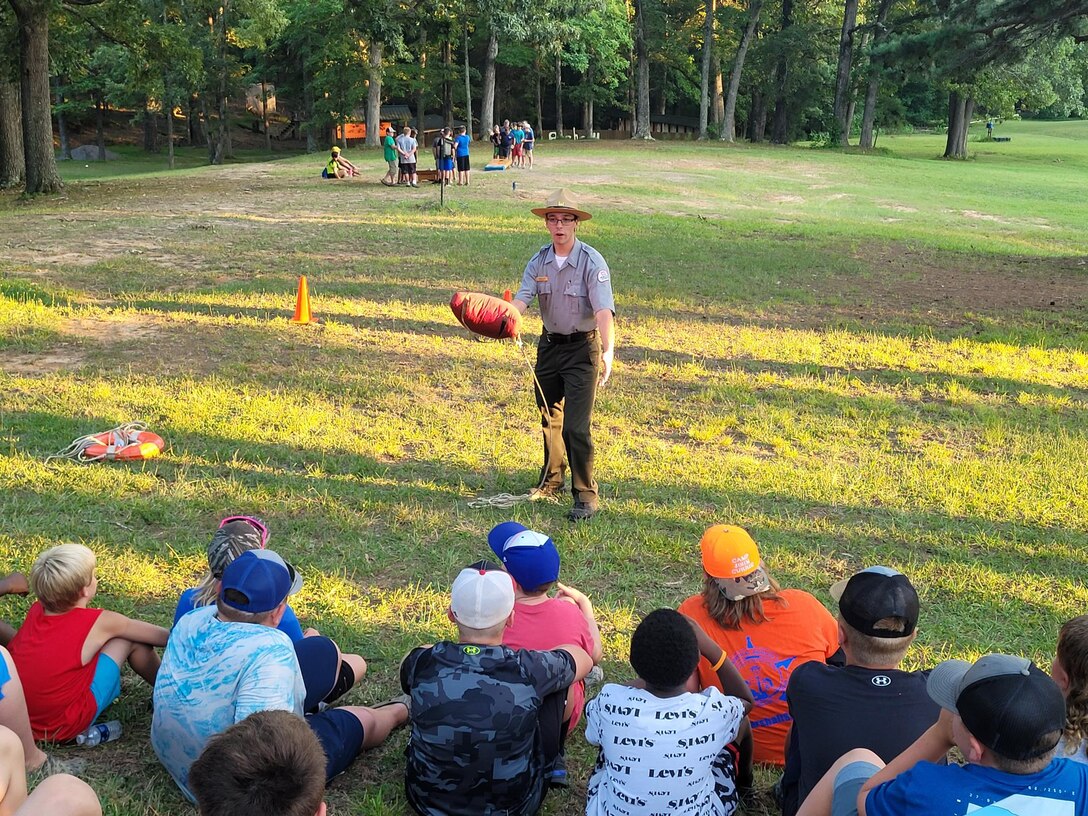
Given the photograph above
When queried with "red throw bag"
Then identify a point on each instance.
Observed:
(486, 315)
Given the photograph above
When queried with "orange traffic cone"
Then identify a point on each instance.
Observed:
(302, 303)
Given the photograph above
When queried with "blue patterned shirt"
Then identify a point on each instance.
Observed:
(215, 673)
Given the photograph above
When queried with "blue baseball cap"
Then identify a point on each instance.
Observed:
(530, 557)
(258, 581)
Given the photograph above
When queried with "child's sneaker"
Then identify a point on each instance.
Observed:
(56, 765)
(557, 776)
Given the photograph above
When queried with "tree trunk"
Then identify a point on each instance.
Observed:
(62, 124)
(587, 106)
(757, 119)
(539, 97)
(487, 109)
(193, 122)
(468, 90)
(40, 165)
(447, 84)
(872, 90)
(960, 109)
(12, 161)
(224, 147)
(421, 88)
(99, 127)
(151, 127)
(169, 107)
(264, 116)
(780, 126)
(729, 126)
(559, 94)
(642, 57)
(709, 9)
(374, 93)
(842, 75)
(717, 102)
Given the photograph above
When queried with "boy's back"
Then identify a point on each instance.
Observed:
(545, 625)
(952, 790)
(662, 754)
(837, 708)
(869, 703)
(474, 747)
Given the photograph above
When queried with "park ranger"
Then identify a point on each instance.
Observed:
(574, 356)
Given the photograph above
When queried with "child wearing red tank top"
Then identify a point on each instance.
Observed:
(68, 655)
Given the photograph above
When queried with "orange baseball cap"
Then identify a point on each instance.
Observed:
(731, 556)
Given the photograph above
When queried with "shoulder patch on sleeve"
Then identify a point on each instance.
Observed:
(602, 275)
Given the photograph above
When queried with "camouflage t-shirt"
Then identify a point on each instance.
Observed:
(474, 749)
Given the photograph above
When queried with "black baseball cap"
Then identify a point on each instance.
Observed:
(1006, 702)
(874, 594)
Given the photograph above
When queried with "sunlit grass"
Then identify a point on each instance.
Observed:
(781, 363)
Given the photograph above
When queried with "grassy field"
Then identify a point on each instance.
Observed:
(862, 359)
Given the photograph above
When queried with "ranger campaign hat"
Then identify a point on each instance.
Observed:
(561, 201)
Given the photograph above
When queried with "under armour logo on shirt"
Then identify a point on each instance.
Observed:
(881, 680)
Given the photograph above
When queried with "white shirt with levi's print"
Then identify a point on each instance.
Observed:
(668, 756)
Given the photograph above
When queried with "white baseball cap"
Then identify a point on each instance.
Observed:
(482, 598)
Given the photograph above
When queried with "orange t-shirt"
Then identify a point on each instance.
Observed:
(798, 629)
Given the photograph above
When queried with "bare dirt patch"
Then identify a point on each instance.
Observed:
(905, 280)
(80, 335)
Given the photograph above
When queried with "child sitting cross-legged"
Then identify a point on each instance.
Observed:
(68, 655)
(329, 673)
(665, 746)
(543, 622)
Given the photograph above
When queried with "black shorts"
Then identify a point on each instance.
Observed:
(340, 734)
(462, 163)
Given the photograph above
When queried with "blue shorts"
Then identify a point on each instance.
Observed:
(848, 782)
(446, 163)
(325, 675)
(5, 675)
(106, 685)
(340, 734)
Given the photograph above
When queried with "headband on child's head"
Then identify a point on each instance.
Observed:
(252, 521)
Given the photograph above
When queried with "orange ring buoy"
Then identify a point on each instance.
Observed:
(113, 446)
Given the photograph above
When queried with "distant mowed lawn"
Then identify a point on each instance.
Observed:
(863, 359)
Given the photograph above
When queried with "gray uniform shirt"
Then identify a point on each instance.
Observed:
(570, 296)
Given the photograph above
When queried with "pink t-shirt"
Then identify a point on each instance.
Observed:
(544, 626)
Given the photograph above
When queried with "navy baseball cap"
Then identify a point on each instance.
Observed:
(258, 581)
(530, 557)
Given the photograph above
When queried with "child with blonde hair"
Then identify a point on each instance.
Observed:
(69, 655)
(1070, 672)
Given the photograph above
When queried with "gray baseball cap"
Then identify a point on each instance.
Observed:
(1008, 703)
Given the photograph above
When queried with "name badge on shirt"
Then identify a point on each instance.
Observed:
(541, 278)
